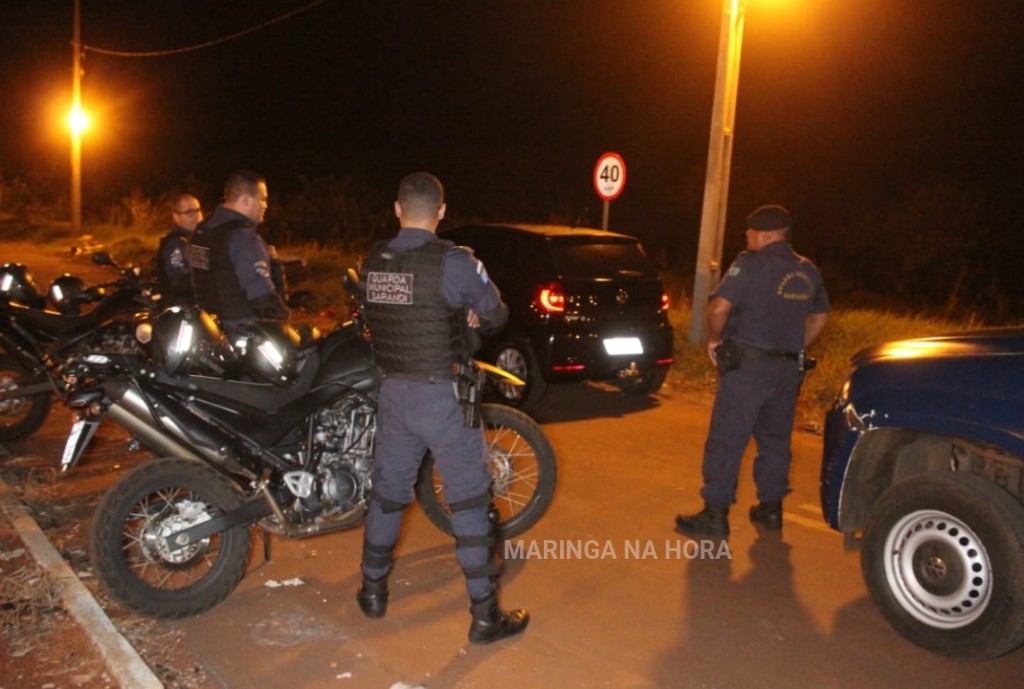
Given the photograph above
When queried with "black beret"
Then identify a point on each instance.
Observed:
(769, 219)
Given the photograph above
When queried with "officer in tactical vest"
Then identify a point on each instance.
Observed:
(231, 264)
(420, 293)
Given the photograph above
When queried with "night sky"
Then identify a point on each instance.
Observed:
(846, 107)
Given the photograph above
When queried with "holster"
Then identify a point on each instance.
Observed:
(469, 380)
(728, 356)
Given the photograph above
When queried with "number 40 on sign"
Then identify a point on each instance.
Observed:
(609, 179)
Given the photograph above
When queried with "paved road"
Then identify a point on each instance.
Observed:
(617, 599)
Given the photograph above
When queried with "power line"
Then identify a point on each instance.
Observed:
(207, 44)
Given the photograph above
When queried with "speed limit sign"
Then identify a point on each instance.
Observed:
(609, 176)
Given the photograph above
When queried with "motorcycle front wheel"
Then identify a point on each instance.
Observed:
(134, 522)
(522, 465)
(20, 417)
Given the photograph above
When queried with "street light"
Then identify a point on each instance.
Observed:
(716, 184)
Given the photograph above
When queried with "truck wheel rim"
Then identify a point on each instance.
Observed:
(938, 569)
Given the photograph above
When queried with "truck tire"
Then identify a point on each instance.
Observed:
(943, 558)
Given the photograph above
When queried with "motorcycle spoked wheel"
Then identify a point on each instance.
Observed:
(159, 498)
(522, 464)
(20, 417)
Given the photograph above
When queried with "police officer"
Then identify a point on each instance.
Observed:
(769, 307)
(172, 267)
(231, 263)
(420, 293)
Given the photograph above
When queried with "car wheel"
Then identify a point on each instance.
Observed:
(943, 557)
(517, 358)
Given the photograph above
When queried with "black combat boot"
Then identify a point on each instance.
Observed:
(767, 514)
(711, 521)
(491, 623)
(372, 596)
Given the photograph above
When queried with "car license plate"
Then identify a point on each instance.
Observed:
(623, 345)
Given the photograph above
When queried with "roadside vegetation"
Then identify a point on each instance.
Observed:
(345, 219)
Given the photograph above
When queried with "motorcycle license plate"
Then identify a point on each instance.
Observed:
(623, 345)
(72, 443)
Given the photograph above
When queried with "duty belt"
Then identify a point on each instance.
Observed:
(804, 363)
(758, 353)
(426, 376)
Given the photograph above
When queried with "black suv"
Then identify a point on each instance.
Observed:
(584, 305)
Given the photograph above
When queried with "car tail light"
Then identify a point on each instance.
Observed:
(664, 301)
(550, 298)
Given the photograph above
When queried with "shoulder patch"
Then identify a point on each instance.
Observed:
(482, 272)
(733, 270)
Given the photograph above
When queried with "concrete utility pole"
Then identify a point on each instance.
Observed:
(76, 122)
(716, 185)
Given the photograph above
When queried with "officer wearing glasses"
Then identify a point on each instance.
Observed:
(172, 267)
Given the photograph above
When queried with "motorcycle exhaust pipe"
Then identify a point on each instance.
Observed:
(132, 412)
(152, 438)
(281, 526)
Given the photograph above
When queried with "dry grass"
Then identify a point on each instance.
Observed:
(27, 596)
(848, 332)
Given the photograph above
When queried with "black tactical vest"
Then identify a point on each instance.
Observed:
(416, 335)
(216, 284)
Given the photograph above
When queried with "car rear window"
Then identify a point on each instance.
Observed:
(575, 258)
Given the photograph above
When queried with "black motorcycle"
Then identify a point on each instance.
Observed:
(39, 332)
(264, 431)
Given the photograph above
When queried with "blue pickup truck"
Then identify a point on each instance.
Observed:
(923, 470)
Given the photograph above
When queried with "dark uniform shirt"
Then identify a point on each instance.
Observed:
(772, 291)
(172, 266)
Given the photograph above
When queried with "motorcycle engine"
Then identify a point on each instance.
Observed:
(342, 449)
(116, 340)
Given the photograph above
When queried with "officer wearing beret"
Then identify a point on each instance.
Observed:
(231, 263)
(421, 296)
(769, 307)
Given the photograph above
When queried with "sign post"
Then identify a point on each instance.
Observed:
(609, 179)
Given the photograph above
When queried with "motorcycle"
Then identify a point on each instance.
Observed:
(38, 333)
(263, 432)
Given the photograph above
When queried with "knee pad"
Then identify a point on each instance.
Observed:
(483, 500)
(387, 505)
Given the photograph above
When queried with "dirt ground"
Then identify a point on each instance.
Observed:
(41, 644)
